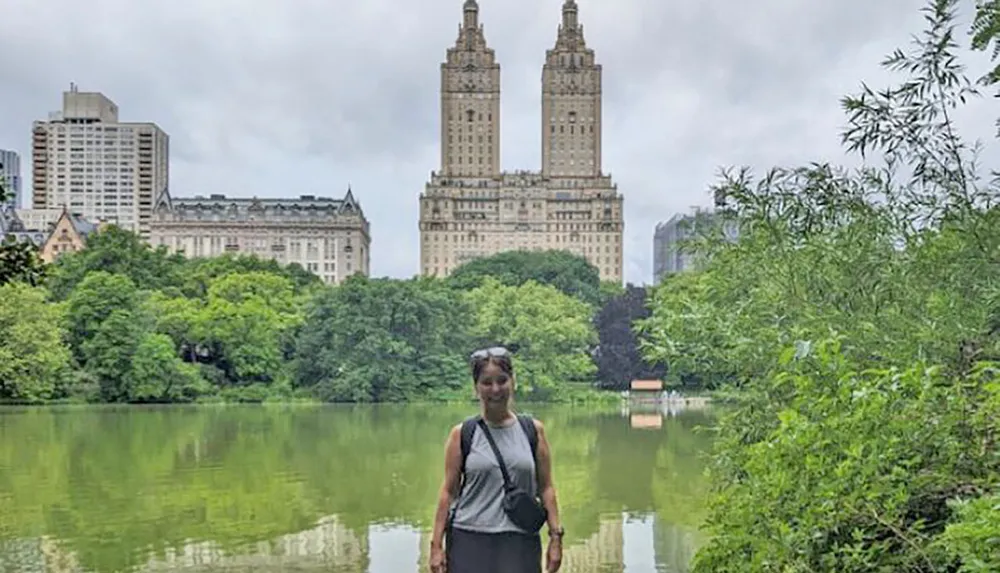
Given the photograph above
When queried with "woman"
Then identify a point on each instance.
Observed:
(481, 536)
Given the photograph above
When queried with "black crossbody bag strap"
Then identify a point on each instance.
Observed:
(507, 486)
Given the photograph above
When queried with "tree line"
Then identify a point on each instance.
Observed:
(856, 323)
(120, 321)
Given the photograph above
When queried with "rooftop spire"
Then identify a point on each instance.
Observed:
(471, 9)
(569, 11)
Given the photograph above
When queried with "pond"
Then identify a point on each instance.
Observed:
(321, 488)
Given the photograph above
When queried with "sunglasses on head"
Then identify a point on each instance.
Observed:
(494, 352)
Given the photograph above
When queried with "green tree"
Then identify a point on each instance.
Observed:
(857, 316)
(550, 333)
(159, 375)
(199, 272)
(117, 251)
(986, 35)
(114, 331)
(95, 299)
(181, 319)
(570, 273)
(380, 340)
(610, 289)
(34, 358)
(19, 260)
(247, 326)
(108, 354)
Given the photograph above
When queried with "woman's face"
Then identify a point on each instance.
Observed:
(494, 386)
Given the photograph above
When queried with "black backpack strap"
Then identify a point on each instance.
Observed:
(465, 443)
(528, 425)
(468, 429)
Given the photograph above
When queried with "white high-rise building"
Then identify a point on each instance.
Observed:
(98, 167)
(10, 173)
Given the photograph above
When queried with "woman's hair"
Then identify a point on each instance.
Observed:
(497, 355)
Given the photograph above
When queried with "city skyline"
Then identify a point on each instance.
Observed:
(261, 108)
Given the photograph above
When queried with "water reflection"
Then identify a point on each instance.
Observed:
(273, 489)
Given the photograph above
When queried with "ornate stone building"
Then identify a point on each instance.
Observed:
(328, 237)
(470, 208)
(69, 234)
(53, 232)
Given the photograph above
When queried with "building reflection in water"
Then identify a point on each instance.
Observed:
(621, 544)
(673, 547)
(328, 545)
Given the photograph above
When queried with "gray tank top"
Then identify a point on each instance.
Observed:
(479, 506)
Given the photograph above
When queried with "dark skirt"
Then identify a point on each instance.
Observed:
(473, 552)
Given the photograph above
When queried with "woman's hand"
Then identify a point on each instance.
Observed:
(553, 557)
(437, 560)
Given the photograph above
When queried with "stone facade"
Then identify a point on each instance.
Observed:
(470, 208)
(43, 219)
(470, 103)
(69, 234)
(571, 104)
(13, 228)
(51, 235)
(326, 236)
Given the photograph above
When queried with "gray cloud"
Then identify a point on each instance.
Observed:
(274, 98)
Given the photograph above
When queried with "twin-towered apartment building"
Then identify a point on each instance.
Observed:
(470, 208)
(87, 161)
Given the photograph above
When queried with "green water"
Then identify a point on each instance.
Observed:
(319, 488)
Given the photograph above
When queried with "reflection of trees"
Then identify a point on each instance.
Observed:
(625, 461)
(572, 436)
(679, 488)
(115, 487)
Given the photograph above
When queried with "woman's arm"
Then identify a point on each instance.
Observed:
(546, 486)
(449, 486)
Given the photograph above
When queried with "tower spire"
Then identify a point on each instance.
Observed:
(470, 102)
(569, 13)
(471, 9)
(571, 103)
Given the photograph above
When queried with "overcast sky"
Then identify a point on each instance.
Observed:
(286, 97)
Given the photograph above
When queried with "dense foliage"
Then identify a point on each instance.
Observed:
(986, 35)
(569, 273)
(617, 356)
(857, 323)
(120, 321)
